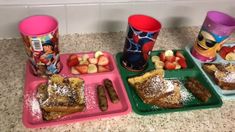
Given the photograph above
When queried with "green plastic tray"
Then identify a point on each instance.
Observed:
(191, 103)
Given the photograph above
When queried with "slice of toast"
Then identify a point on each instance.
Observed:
(153, 89)
(223, 74)
(61, 96)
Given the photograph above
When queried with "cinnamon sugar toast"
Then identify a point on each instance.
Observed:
(61, 96)
(153, 89)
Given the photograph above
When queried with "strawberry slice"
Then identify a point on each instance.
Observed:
(182, 63)
(225, 50)
(179, 54)
(170, 58)
(73, 56)
(102, 69)
(74, 70)
(103, 60)
(82, 69)
(93, 60)
(162, 56)
(169, 65)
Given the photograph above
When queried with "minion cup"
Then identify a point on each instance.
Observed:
(215, 30)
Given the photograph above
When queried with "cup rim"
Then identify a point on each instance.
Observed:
(210, 13)
(30, 19)
(140, 21)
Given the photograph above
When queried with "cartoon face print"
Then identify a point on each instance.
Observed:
(48, 48)
(206, 40)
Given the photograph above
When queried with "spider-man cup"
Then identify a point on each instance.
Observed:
(215, 31)
(142, 33)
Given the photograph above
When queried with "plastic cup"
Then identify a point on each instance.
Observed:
(215, 31)
(40, 37)
(142, 32)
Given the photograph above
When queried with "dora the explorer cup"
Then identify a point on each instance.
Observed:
(40, 36)
(142, 33)
(216, 29)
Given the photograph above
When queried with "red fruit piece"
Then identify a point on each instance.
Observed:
(170, 58)
(72, 61)
(225, 50)
(182, 63)
(162, 56)
(179, 54)
(102, 69)
(82, 69)
(169, 65)
(103, 60)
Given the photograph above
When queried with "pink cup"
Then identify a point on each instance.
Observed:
(40, 36)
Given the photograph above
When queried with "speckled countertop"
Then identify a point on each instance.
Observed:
(12, 78)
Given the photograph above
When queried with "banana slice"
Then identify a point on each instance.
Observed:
(155, 58)
(169, 53)
(159, 65)
(230, 56)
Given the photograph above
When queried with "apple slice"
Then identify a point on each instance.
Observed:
(98, 54)
(103, 60)
(92, 68)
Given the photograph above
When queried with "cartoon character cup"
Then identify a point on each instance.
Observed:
(40, 36)
(142, 33)
(216, 29)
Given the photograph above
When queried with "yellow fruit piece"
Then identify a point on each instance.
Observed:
(230, 56)
(98, 53)
(155, 58)
(92, 68)
(169, 53)
(85, 57)
(159, 65)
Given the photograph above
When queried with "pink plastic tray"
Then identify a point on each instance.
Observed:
(32, 114)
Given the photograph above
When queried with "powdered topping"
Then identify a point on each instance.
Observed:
(185, 95)
(230, 77)
(33, 106)
(169, 85)
(61, 90)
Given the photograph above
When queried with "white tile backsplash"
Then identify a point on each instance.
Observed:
(83, 18)
(10, 16)
(57, 11)
(114, 17)
(91, 16)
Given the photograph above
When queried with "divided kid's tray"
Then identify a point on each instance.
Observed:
(225, 94)
(32, 116)
(190, 102)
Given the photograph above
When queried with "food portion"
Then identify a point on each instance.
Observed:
(102, 99)
(198, 90)
(111, 91)
(169, 61)
(153, 89)
(61, 96)
(83, 64)
(223, 74)
(228, 53)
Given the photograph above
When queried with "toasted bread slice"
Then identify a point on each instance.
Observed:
(61, 96)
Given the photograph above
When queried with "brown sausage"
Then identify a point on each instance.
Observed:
(111, 91)
(103, 103)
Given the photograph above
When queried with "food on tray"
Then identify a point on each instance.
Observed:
(153, 89)
(61, 96)
(103, 103)
(111, 91)
(223, 74)
(228, 53)
(197, 89)
(169, 61)
(88, 64)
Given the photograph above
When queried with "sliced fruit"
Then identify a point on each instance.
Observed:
(74, 70)
(177, 58)
(169, 65)
(102, 69)
(224, 51)
(170, 58)
(182, 63)
(179, 54)
(92, 68)
(162, 56)
(85, 57)
(73, 62)
(159, 65)
(98, 54)
(230, 56)
(103, 60)
(93, 60)
(82, 69)
(83, 62)
(73, 56)
(177, 65)
(155, 58)
(169, 53)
